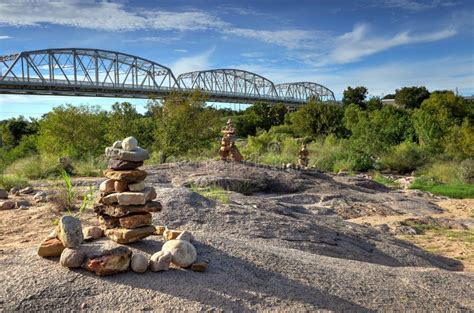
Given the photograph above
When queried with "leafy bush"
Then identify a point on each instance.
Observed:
(7, 182)
(403, 158)
(35, 167)
(443, 172)
(466, 169)
(90, 167)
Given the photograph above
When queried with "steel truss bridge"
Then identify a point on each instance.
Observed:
(102, 73)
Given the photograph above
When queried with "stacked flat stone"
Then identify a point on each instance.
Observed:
(126, 203)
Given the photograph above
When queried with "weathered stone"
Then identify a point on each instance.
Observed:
(199, 266)
(7, 205)
(107, 186)
(170, 234)
(129, 144)
(136, 155)
(109, 199)
(160, 261)
(186, 235)
(160, 230)
(40, 197)
(3, 194)
(92, 232)
(135, 220)
(131, 176)
(123, 210)
(121, 185)
(109, 262)
(15, 191)
(54, 233)
(139, 263)
(27, 190)
(183, 252)
(117, 144)
(137, 186)
(123, 165)
(50, 247)
(136, 198)
(124, 236)
(72, 258)
(22, 204)
(70, 231)
(108, 222)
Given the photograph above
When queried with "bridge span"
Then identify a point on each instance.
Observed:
(103, 73)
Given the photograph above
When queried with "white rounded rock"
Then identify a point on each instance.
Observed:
(72, 258)
(129, 143)
(160, 261)
(139, 263)
(117, 144)
(183, 252)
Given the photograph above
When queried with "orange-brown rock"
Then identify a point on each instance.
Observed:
(51, 247)
(135, 220)
(107, 186)
(131, 176)
(124, 236)
(170, 234)
(121, 185)
(109, 262)
(160, 230)
(108, 222)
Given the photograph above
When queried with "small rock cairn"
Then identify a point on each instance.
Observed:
(303, 154)
(126, 203)
(229, 151)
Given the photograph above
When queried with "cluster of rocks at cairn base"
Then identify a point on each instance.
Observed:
(67, 241)
(126, 203)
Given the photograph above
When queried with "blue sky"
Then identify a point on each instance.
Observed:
(380, 44)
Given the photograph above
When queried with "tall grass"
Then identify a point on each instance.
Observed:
(7, 182)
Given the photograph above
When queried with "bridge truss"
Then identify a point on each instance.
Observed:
(103, 73)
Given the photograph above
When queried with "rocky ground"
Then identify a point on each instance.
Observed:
(283, 240)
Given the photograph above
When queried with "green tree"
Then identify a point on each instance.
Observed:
(14, 129)
(124, 121)
(355, 95)
(318, 120)
(75, 131)
(374, 103)
(436, 116)
(411, 97)
(261, 115)
(184, 124)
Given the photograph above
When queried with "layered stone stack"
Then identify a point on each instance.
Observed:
(303, 154)
(126, 203)
(228, 150)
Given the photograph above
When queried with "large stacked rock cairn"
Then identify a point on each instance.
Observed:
(303, 154)
(229, 151)
(126, 202)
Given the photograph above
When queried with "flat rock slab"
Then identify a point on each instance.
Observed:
(121, 165)
(136, 155)
(129, 197)
(123, 210)
(50, 247)
(131, 176)
(130, 221)
(109, 262)
(125, 236)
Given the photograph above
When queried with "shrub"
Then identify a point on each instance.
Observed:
(91, 167)
(443, 172)
(7, 182)
(466, 169)
(34, 167)
(403, 158)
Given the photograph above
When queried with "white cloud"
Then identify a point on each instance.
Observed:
(291, 38)
(106, 16)
(414, 5)
(181, 50)
(5, 37)
(193, 63)
(354, 45)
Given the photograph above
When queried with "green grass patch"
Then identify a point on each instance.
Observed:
(7, 182)
(214, 193)
(462, 235)
(454, 190)
(379, 178)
